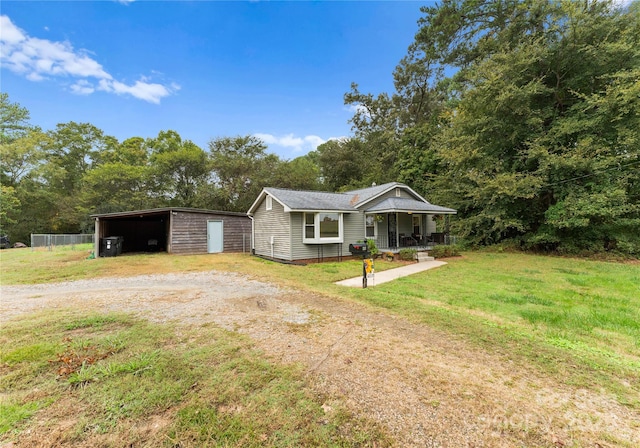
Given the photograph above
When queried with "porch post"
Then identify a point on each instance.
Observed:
(397, 234)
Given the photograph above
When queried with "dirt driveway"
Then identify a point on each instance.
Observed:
(426, 387)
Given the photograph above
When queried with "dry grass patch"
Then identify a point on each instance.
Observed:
(112, 380)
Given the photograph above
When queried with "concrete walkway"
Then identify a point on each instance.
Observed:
(392, 274)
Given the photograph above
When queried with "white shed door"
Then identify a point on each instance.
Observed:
(214, 237)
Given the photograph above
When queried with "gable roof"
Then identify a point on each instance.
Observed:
(364, 195)
(348, 202)
(296, 200)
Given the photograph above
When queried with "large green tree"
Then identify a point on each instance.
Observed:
(14, 119)
(240, 168)
(179, 168)
(74, 147)
(524, 116)
(20, 157)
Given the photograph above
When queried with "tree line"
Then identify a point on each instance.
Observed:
(52, 181)
(524, 115)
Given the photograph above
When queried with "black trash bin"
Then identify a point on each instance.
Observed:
(111, 246)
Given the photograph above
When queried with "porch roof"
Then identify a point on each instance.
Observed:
(405, 205)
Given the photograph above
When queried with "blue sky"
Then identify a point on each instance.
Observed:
(277, 70)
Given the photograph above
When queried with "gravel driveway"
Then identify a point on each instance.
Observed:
(426, 387)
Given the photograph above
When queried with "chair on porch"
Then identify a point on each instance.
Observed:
(407, 240)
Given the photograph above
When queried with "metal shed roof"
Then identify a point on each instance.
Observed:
(164, 210)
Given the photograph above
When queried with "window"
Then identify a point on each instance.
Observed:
(269, 203)
(309, 226)
(370, 226)
(398, 192)
(329, 225)
(322, 228)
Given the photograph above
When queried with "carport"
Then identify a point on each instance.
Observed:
(175, 230)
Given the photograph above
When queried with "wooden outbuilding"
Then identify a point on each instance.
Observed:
(174, 230)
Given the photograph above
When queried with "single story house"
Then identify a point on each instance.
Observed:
(175, 230)
(304, 225)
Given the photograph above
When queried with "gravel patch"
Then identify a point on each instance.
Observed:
(425, 387)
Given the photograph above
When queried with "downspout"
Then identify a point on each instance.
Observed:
(251, 248)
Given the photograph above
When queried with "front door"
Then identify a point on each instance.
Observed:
(393, 229)
(214, 237)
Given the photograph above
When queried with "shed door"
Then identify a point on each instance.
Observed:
(214, 237)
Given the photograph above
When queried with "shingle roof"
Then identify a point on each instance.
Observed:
(408, 205)
(312, 200)
(350, 201)
(364, 194)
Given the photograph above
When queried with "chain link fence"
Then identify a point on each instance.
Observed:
(51, 240)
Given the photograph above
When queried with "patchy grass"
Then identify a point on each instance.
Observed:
(575, 320)
(23, 266)
(114, 380)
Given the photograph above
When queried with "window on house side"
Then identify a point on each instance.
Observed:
(370, 226)
(269, 204)
(309, 226)
(320, 228)
(329, 224)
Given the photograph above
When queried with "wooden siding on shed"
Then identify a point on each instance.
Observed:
(189, 232)
(272, 223)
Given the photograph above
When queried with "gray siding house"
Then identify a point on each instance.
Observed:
(306, 225)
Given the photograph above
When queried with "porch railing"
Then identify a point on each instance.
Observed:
(427, 241)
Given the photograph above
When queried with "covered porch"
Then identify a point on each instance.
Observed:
(399, 223)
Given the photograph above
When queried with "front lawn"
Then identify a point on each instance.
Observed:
(575, 320)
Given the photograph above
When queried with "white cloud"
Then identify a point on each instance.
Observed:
(83, 87)
(297, 144)
(151, 92)
(39, 59)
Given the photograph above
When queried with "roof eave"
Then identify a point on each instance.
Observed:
(263, 194)
(315, 210)
(390, 188)
(412, 211)
(260, 197)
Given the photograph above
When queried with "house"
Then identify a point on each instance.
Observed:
(175, 230)
(304, 225)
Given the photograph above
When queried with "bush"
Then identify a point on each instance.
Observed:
(407, 254)
(445, 251)
(371, 246)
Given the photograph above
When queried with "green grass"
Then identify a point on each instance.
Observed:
(577, 321)
(109, 374)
